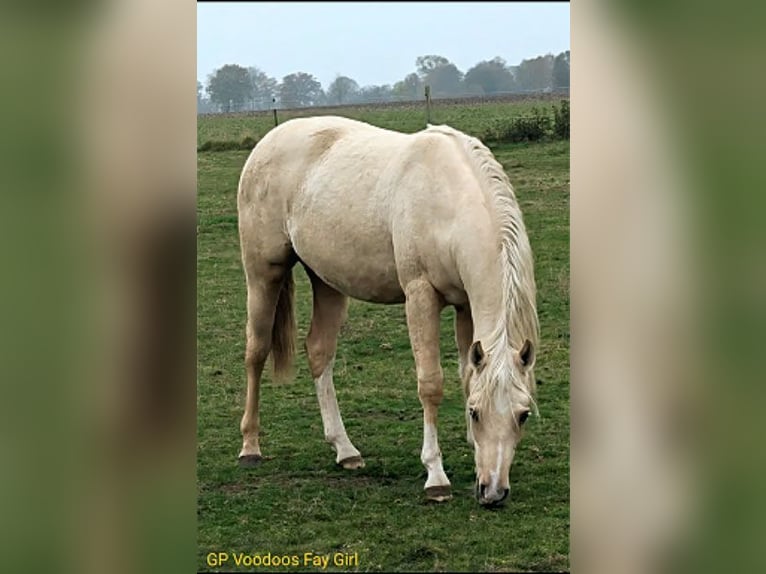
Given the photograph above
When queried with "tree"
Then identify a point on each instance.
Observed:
(203, 104)
(263, 88)
(472, 89)
(439, 73)
(229, 87)
(426, 64)
(535, 74)
(341, 90)
(561, 70)
(369, 94)
(445, 80)
(410, 87)
(300, 90)
(491, 76)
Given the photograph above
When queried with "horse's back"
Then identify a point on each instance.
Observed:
(284, 159)
(339, 192)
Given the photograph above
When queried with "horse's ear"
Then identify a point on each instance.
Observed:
(526, 356)
(477, 356)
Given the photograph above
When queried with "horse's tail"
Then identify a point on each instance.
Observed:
(283, 331)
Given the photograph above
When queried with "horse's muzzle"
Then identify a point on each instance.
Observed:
(487, 497)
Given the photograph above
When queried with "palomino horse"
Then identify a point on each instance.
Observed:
(429, 220)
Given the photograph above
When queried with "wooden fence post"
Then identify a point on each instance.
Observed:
(428, 104)
(274, 107)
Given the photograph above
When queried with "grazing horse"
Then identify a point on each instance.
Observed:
(427, 219)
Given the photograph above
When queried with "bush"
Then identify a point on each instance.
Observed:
(523, 128)
(218, 146)
(561, 120)
(247, 143)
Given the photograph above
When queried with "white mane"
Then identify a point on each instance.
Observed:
(518, 281)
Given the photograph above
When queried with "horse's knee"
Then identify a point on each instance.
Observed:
(431, 388)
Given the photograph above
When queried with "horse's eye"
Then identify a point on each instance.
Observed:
(474, 414)
(523, 417)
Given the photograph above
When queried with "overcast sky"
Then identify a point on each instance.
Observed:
(373, 43)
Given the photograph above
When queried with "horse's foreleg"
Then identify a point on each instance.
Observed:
(328, 315)
(464, 338)
(423, 307)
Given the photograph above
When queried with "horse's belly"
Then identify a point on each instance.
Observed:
(369, 285)
(357, 267)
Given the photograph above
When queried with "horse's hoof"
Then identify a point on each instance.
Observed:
(438, 493)
(249, 460)
(352, 462)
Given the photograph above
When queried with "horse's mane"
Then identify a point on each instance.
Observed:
(518, 281)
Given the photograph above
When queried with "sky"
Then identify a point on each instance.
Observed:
(373, 43)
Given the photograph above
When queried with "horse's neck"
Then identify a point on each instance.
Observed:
(483, 283)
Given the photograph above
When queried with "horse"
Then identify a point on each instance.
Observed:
(429, 220)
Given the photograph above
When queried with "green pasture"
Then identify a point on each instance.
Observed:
(477, 120)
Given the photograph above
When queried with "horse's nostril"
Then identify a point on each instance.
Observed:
(490, 497)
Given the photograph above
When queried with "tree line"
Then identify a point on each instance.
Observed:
(236, 88)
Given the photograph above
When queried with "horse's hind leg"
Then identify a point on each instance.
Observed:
(262, 296)
(328, 315)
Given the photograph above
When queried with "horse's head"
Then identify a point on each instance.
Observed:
(498, 387)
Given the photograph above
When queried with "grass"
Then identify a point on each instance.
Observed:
(477, 120)
(298, 501)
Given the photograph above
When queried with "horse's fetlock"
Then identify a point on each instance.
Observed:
(331, 437)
